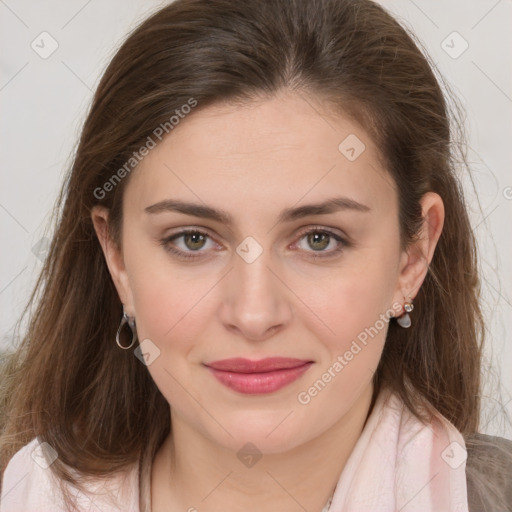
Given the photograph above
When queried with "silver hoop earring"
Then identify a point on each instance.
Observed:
(131, 324)
(405, 320)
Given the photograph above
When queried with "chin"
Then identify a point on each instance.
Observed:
(271, 436)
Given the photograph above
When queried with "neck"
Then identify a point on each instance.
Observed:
(190, 471)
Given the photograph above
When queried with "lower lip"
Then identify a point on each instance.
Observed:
(258, 383)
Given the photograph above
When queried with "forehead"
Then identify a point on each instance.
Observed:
(281, 150)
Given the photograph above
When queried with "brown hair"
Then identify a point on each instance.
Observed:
(70, 385)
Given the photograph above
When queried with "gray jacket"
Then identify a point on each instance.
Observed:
(491, 459)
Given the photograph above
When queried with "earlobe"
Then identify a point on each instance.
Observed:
(112, 254)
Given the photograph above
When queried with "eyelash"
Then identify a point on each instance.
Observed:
(165, 242)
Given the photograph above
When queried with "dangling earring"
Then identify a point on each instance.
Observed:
(131, 323)
(405, 320)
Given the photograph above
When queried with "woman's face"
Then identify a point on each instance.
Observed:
(258, 286)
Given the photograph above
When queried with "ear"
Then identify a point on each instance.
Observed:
(113, 256)
(416, 259)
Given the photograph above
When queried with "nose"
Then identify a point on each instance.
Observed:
(255, 301)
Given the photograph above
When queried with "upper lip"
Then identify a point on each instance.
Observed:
(241, 365)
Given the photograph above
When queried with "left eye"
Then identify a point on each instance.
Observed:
(319, 240)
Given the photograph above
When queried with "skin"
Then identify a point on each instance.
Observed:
(253, 161)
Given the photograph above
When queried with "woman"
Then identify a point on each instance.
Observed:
(262, 293)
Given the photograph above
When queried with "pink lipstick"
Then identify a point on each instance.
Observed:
(256, 377)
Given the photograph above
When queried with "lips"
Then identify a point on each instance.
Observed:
(258, 377)
(241, 365)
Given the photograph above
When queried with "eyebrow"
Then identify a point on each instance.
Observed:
(287, 215)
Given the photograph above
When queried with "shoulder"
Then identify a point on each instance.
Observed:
(489, 473)
(25, 483)
(29, 484)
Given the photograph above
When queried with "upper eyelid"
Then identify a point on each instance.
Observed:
(302, 232)
(185, 231)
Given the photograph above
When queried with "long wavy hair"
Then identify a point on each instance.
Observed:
(69, 384)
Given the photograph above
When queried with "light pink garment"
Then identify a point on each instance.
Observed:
(398, 464)
(29, 486)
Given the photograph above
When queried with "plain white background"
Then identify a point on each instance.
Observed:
(43, 102)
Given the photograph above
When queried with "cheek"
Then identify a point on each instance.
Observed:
(169, 310)
(165, 297)
(355, 309)
(172, 312)
(353, 299)
(359, 327)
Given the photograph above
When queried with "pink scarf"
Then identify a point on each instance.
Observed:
(399, 464)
